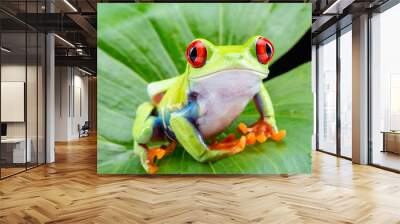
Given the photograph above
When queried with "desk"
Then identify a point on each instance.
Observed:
(391, 141)
(16, 147)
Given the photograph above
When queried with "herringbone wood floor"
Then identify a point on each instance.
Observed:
(70, 191)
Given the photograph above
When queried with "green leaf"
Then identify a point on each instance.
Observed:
(151, 39)
(140, 43)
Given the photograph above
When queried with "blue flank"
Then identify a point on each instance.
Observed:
(190, 112)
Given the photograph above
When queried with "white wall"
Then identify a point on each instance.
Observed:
(16, 72)
(62, 82)
(71, 102)
(9, 73)
(81, 102)
(13, 101)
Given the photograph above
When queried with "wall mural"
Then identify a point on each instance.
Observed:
(184, 89)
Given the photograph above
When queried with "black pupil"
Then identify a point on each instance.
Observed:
(269, 50)
(193, 54)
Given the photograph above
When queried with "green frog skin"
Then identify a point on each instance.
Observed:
(193, 108)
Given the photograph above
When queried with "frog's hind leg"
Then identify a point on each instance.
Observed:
(266, 126)
(229, 143)
(191, 139)
(149, 155)
(146, 129)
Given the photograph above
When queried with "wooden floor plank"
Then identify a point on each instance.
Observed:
(70, 191)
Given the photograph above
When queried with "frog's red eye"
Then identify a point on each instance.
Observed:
(264, 50)
(196, 54)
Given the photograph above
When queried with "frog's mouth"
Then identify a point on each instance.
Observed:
(222, 96)
(233, 71)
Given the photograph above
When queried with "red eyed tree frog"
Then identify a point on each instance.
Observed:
(194, 107)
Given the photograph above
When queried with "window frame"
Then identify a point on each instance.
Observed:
(334, 37)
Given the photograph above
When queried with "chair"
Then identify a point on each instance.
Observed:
(84, 130)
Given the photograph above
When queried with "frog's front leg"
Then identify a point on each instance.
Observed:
(192, 140)
(146, 129)
(266, 126)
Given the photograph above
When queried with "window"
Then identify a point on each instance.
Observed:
(22, 78)
(385, 89)
(327, 96)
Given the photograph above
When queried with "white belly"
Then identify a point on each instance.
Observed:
(222, 97)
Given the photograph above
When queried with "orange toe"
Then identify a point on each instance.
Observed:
(152, 169)
(251, 138)
(242, 142)
(235, 145)
(155, 153)
(261, 138)
(239, 146)
(151, 154)
(277, 136)
(243, 128)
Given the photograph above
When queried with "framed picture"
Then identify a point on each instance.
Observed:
(189, 89)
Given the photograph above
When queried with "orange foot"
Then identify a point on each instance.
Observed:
(151, 155)
(230, 143)
(260, 132)
(158, 153)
